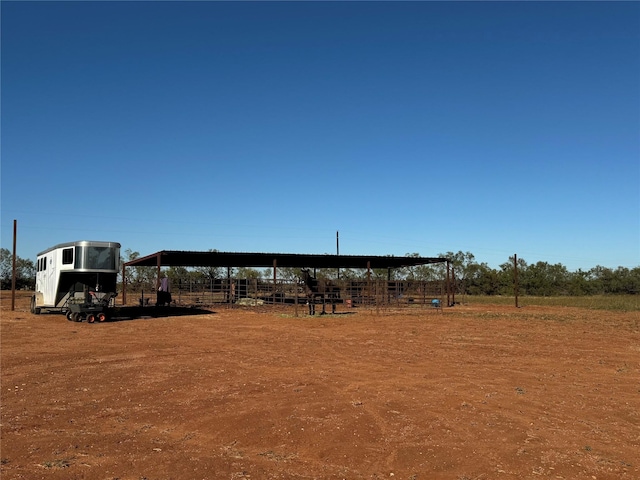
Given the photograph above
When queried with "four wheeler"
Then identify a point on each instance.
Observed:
(92, 309)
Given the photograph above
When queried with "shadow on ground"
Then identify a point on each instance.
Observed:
(141, 313)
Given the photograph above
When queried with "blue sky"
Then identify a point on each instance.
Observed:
(409, 127)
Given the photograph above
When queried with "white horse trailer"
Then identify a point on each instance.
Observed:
(76, 277)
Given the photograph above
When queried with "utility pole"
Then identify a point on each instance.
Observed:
(515, 277)
(13, 267)
(448, 283)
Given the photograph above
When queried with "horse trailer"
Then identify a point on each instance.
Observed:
(77, 278)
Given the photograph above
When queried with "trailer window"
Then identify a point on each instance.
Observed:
(67, 256)
(95, 258)
(42, 264)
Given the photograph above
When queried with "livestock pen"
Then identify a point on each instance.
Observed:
(360, 288)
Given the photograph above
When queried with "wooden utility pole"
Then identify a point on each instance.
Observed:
(448, 283)
(515, 277)
(13, 267)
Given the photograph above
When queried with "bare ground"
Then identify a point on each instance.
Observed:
(470, 392)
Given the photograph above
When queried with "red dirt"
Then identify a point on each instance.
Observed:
(470, 392)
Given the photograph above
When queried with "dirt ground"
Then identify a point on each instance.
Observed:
(469, 392)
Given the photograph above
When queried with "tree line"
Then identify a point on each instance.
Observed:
(470, 277)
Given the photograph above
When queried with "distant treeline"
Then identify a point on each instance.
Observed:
(537, 279)
(545, 279)
(470, 277)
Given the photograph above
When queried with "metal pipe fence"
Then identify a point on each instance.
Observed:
(259, 292)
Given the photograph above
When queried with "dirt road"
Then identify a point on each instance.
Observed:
(470, 392)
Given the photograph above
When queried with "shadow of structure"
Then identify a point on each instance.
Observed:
(138, 313)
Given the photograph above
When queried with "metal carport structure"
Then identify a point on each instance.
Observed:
(179, 258)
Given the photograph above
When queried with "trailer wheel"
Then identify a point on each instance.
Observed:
(35, 310)
(76, 317)
(91, 318)
(69, 315)
(102, 317)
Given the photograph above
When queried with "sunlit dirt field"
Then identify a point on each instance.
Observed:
(469, 392)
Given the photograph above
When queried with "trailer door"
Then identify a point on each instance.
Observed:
(50, 280)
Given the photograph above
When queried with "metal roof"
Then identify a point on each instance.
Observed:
(173, 258)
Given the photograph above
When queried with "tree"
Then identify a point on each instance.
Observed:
(463, 264)
(543, 279)
(211, 273)
(178, 275)
(621, 280)
(424, 273)
(25, 271)
(347, 274)
(482, 280)
(288, 274)
(579, 284)
(249, 273)
(327, 274)
(506, 276)
(6, 268)
(139, 278)
(631, 283)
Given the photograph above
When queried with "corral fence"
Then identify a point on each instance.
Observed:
(259, 292)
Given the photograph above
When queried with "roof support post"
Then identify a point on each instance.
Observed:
(124, 284)
(338, 249)
(158, 265)
(369, 292)
(275, 279)
(454, 287)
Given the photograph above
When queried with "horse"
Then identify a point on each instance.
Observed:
(325, 290)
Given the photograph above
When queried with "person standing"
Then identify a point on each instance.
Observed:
(164, 292)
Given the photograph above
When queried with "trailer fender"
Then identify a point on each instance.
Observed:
(37, 299)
